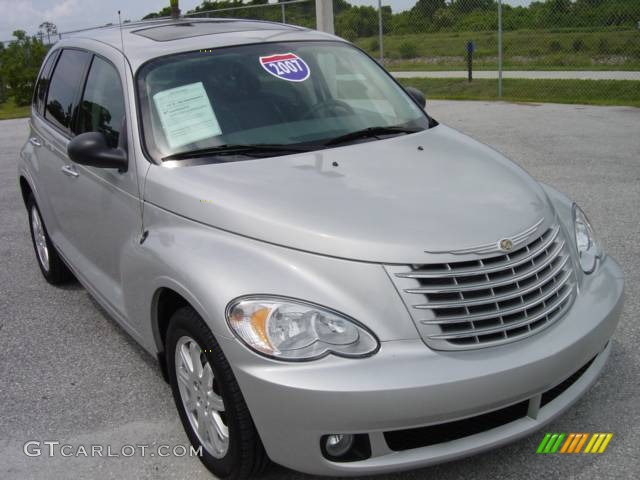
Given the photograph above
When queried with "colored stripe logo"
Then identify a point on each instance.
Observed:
(286, 66)
(278, 58)
(574, 443)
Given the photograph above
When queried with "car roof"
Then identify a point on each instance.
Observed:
(149, 39)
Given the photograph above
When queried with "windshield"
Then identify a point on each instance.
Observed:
(294, 94)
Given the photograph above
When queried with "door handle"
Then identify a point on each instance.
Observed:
(70, 170)
(35, 142)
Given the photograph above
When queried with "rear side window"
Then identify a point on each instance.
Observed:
(43, 82)
(64, 88)
(102, 105)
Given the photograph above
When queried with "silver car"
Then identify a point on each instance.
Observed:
(328, 277)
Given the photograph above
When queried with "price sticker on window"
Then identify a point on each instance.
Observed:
(186, 114)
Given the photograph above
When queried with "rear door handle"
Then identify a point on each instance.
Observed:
(35, 142)
(70, 170)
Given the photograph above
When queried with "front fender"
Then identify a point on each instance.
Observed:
(562, 205)
(211, 267)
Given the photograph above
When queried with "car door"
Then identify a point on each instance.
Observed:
(51, 131)
(98, 209)
(34, 150)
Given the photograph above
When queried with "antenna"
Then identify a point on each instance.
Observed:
(121, 34)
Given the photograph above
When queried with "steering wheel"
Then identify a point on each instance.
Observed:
(328, 105)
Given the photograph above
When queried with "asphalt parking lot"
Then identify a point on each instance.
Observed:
(69, 373)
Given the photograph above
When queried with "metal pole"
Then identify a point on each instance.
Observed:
(470, 47)
(324, 16)
(499, 48)
(284, 19)
(380, 37)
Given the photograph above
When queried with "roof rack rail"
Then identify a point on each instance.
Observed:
(187, 15)
(114, 25)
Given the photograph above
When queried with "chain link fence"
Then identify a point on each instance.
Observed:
(566, 51)
(569, 51)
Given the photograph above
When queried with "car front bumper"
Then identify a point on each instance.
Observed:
(407, 385)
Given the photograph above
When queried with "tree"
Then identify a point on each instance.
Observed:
(48, 29)
(357, 22)
(21, 61)
(165, 12)
(462, 7)
(428, 16)
(426, 8)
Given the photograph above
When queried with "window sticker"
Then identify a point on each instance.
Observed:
(286, 66)
(186, 114)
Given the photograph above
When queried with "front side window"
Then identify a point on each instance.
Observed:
(270, 94)
(64, 88)
(43, 83)
(102, 106)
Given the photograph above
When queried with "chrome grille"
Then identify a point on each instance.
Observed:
(491, 300)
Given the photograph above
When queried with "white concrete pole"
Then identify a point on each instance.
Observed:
(324, 16)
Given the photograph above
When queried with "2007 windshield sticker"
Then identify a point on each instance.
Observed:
(287, 66)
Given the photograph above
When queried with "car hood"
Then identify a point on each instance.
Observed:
(387, 201)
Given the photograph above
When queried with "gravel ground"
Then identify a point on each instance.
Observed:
(69, 373)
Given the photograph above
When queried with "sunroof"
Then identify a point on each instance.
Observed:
(179, 30)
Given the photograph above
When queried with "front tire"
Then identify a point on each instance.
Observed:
(51, 265)
(211, 407)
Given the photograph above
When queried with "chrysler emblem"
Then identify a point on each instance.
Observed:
(506, 245)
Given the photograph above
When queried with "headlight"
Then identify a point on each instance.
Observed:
(588, 249)
(290, 329)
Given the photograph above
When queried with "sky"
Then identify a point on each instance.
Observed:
(75, 14)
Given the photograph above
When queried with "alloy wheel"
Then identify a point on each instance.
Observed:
(39, 238)
(200, 397)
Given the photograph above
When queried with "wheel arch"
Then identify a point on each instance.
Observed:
(166, 300)
(25, 189)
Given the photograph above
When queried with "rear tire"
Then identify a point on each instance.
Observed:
(193, 357)
(51, 265)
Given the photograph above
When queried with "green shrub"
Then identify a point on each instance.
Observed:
(578, 45)
(557, 60)
(629, 46)
(603, 46)
(408, 49)
(555, 46)
(374, 45)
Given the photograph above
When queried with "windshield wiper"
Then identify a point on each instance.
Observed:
(370, 132)
(242, 149)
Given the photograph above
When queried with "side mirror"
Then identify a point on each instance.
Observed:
(91, 149)
(417, 95)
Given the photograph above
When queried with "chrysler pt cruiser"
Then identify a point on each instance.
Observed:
(330, 278)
